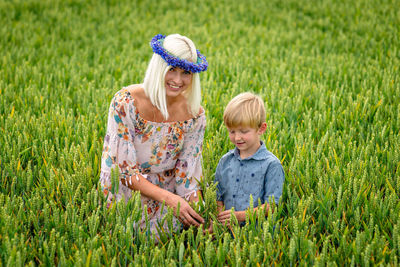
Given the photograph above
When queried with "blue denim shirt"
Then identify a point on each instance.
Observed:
(260, 175)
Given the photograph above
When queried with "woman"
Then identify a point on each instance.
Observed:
(155, 133)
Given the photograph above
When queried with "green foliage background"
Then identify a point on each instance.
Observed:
(328, 71)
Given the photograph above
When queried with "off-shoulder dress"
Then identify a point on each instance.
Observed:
(168, 154)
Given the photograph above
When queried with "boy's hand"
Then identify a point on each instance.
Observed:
(224, 216)
(209, 229)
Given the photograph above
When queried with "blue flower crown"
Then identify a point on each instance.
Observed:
(157, 46)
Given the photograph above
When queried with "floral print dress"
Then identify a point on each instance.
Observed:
(166, 154)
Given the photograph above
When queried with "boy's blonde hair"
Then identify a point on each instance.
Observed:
(245, 109)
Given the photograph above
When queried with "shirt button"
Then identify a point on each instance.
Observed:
(241, 164)
(234, 196)
(237, 180)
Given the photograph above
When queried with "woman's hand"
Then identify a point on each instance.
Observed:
(187, 215)
(224, 216)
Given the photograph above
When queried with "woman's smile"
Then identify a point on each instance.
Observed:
(177, 80)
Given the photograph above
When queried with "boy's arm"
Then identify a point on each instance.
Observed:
(265, 207)
(225, 215)
(220, 206)
(241, 215)
(273, 184)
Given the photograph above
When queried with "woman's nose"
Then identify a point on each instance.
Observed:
(177, 78)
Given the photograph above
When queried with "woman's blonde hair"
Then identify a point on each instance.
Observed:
(154, 80)
(245, 109)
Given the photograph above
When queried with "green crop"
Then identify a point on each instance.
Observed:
(206, 207)
(329, 74)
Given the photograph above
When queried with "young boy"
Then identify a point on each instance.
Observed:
(249, 168)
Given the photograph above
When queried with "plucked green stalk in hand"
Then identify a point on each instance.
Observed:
(207, 204)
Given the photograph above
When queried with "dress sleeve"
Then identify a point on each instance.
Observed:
(118, 150)
(188, 169)
(273, 183)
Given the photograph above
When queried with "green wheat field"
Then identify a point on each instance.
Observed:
(328, 71)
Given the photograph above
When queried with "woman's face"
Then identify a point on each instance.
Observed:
(177, 80)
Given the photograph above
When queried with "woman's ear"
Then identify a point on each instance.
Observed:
(263, 128)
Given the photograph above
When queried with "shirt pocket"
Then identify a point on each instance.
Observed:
(253, 183)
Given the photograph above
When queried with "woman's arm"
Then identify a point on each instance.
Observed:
(119, 152)
(186, 214)
(195, 197)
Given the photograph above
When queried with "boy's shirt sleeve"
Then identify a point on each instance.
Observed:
(217, 179)
(273, 182)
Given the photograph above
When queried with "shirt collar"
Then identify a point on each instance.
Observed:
(261, 153)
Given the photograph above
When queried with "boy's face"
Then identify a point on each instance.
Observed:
(246, 139)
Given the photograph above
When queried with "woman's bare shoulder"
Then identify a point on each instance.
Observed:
(136, 90)
(142, 101)
(201, 111)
